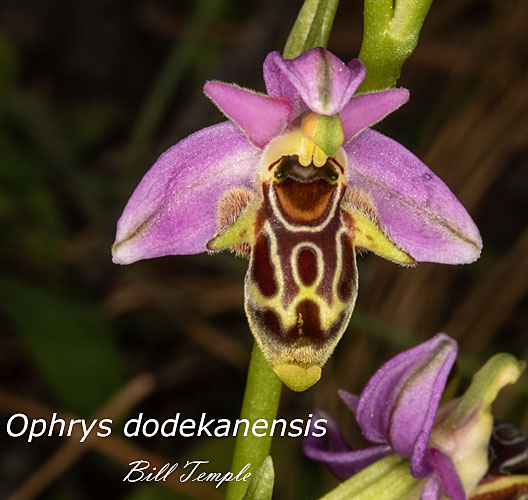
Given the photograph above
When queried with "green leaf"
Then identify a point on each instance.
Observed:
(261, 485)
(387, 479)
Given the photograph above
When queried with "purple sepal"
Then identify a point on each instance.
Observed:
(260, 116)
(350, 400)
(399, 403)
(173, 209)
(432, 489)
(334, 451)
(316, 80)
(447, 474)
(397, 409)
(365, 110)
(421, 215)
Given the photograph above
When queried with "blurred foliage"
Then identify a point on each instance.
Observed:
(92, 92)
(154, 493)
(70, 343)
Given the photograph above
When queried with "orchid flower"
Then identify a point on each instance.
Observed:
(508, 449)
(507, 477)
(297, 181)
(447, 447)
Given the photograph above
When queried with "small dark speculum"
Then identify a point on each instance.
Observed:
(289, 167)
(305, 194)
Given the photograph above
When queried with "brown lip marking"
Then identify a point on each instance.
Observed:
(307, 331)
(347, 280)
(307, 266)
(308, 327)
(262, 269)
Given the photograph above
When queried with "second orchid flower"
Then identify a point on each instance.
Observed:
(429, 449)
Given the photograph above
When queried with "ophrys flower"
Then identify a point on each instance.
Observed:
(297, 181)
(445, 447)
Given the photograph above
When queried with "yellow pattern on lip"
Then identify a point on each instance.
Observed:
(296, 377)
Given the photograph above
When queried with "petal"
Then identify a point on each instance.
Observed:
(335, 452)
(365, 110)
(260, 116)
(448, 475)
(415, 411)
(173, 209)
(345, 464)
(431, 489)
(400, 401)
(350, 400)
(319, 79)
(419, 212)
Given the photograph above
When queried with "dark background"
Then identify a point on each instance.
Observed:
(91, 92)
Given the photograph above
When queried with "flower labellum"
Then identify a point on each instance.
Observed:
(502, 488)
(297, 181)
(507, 477)
(508, 449)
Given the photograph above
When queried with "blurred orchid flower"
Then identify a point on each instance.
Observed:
(507, 477)
(508, 450)
(297, 181)
(446, 448)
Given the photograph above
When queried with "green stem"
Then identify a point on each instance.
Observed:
(261, 401)
(312, 27)
(389, 38)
